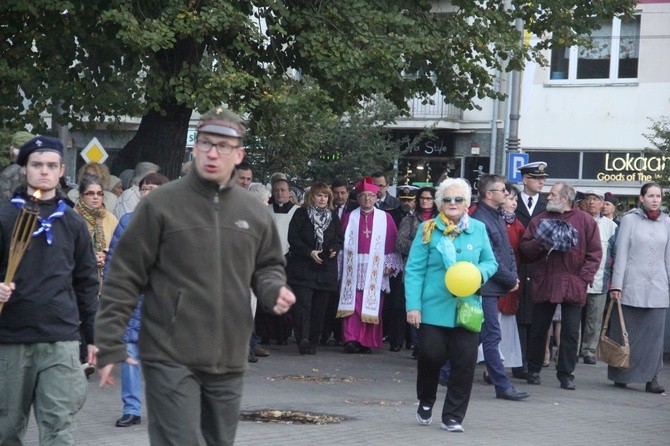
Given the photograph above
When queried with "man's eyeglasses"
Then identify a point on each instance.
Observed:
(223, 149)
(92, 193)
(458, 200)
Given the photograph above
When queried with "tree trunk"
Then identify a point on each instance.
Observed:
(160, 139)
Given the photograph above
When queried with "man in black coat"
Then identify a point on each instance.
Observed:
(530, 203)
(395, 315)
(385, 201)
(342, 204)
(530, 200)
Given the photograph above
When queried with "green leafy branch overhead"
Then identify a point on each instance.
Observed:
(100, 60)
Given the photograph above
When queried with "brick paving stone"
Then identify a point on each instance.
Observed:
(381, 404)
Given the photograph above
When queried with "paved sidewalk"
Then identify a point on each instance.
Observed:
(381, 403)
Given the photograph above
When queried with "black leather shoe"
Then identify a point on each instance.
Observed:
(128, 420)
(350, 347)
(252, 358)
(533, 378)
(590, 360)
(303, 347)
(620, 385)
(519, 373)
(395, 348)
(567, 383)
(512, 394)
(654, 387)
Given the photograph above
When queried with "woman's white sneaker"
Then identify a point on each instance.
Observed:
(452, 426)
(424, 415)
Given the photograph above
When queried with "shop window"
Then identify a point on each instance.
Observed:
(613, 53)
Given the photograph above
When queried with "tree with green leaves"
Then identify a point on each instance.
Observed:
(295, 136)
(92, 61)
(659, 138)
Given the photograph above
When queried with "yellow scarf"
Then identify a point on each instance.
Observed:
(451, 230)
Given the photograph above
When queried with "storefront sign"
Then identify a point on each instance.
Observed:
(431, 148)
(190, 137)
(439, 145)
(602, 166)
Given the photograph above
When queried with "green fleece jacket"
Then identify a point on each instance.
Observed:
(194, 249)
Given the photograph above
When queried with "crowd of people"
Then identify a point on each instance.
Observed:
(183, 282)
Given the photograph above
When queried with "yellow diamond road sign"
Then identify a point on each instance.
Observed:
(94, 152)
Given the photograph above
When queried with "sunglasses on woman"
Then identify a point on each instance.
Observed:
(458, 200)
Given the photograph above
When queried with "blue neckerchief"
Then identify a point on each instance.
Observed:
(45, 223)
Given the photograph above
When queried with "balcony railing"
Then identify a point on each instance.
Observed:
(437, 110)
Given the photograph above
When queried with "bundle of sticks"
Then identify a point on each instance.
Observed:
(21, 236)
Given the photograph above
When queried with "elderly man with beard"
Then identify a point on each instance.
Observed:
(565, 244)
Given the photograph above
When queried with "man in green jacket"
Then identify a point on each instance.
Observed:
(193, 247)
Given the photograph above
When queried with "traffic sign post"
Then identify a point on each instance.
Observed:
(515, 161)
(94, 152)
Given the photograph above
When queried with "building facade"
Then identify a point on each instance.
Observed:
(587, 113)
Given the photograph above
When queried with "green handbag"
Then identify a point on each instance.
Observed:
(469, 316)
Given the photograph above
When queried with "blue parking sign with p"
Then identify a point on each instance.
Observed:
(516, 160)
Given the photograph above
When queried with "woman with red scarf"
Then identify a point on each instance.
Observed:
(641, 281)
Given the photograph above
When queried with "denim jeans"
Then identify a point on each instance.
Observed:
(490, 338)
(254, 340)
(131, 383)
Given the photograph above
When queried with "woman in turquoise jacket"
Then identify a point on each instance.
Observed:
(439, 243)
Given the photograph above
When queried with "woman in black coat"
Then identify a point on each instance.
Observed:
(315, 237)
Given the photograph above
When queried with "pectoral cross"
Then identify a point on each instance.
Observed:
(367, 230)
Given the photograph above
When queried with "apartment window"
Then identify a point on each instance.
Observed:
(614, 53)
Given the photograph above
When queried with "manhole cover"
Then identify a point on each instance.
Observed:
(318, 379)
(289, 417)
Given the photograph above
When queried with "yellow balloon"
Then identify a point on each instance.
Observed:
(463, 279)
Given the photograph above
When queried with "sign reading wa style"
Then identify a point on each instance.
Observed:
(94, 152)
(440, 145)
(602, 166)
